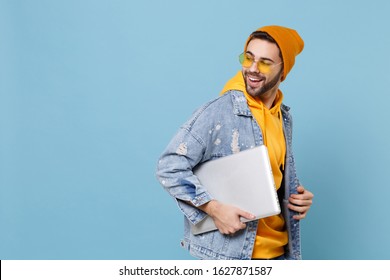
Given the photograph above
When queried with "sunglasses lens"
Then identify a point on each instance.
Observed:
(245, 60)
(241, 58)
(263, 67)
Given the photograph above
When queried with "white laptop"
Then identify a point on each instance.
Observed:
(244, 180)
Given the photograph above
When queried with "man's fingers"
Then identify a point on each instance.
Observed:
(300, 202)
(235, 224)
(247, 215)
(300, 189)
(233, 228)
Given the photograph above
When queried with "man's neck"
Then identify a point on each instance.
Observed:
(268, 98)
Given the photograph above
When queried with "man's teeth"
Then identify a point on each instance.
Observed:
(254, 80)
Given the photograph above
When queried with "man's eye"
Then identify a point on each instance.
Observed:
(265, 63)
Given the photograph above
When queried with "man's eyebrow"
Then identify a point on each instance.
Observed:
(261, 58)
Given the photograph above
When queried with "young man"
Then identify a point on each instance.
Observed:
(248, 113)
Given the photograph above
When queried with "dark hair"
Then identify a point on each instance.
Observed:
(263, 36)
(266, 37)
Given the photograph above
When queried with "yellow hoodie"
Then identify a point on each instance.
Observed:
(271, 232)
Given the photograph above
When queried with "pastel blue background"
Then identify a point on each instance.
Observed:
(91, 91)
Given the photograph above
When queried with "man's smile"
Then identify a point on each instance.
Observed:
(254, 81)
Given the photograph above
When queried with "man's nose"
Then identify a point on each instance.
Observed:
(254, 67)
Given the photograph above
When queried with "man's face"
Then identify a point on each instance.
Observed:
(260, 83)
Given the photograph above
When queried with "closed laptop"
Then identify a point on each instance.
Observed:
(242, 179)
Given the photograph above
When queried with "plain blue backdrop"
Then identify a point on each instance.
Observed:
(91, 91)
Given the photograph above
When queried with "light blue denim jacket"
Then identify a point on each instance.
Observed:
(221, 127)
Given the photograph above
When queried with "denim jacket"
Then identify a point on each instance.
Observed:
(221, 127)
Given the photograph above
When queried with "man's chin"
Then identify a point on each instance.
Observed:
(254, 92)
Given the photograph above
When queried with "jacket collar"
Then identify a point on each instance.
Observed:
(240, 104)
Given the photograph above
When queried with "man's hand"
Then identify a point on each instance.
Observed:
(226, 217)
(301, 202)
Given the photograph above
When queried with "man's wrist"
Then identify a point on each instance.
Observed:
(209, 207)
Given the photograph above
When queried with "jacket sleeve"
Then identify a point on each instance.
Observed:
(174, 172)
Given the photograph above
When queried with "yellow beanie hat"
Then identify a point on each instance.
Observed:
(289, 42)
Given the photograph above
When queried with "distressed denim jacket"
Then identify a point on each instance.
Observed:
(221, 127)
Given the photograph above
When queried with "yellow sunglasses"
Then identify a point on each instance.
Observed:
(264, 66)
